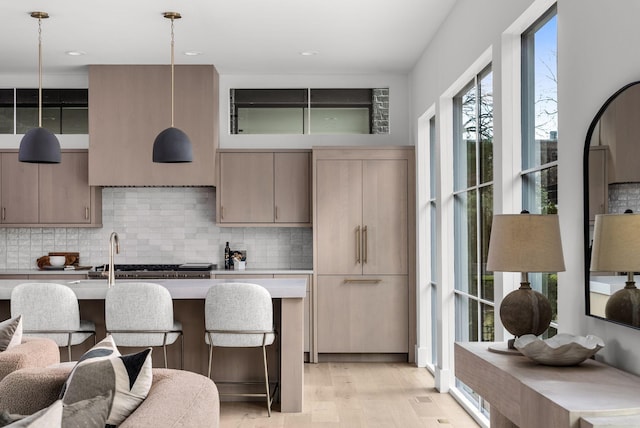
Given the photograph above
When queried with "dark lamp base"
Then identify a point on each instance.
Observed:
(525, 311)
(624, 306)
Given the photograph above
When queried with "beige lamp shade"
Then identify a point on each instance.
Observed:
(525, 243)
(616, 243)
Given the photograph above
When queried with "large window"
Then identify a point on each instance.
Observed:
(309, 111)
(64, 111)
(473, 195)
(473, 213)
(540, 134)
(433, 241)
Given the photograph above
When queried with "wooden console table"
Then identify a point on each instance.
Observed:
(525, 394)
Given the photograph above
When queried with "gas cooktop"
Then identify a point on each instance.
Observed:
(150, 271)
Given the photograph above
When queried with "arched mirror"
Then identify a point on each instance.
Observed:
(611, 182)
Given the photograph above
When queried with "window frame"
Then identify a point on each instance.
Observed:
(531, 172)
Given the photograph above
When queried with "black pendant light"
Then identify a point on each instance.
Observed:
(172, 145)
(39, 145)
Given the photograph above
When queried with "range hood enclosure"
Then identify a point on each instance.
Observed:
(130, 104)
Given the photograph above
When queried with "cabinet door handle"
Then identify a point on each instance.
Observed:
(364, 244)
(221, 212)
(86, 213)
(276, 212)
(4, 213)
(358, 244)
(362, 280)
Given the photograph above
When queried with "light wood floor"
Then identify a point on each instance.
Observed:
(352, 395)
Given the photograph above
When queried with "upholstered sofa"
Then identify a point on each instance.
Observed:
(31, 352)
(177, 398)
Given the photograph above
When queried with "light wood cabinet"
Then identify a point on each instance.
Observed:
(363, 314)
(33, 195)
(264, 188)
(246, 188)
(64, 192)
(598, 182)
(364, 249)
(618, 129)
(129, 105)
(292, 187)
(362, 216)
(19, 194)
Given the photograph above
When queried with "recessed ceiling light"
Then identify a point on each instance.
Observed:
(76, 53)
(309, 53)
(193, 53)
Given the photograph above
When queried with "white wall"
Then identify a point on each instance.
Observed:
(398, 110)
(596, 57)
(470, 29)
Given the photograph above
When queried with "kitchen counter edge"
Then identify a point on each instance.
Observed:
(91, 289)
(213, 272)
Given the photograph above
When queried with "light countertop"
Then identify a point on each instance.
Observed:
(608, 285)
(96, 289)
(35, 271)
(264, 272)
(213, 272)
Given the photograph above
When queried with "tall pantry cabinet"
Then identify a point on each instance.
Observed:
(364, 249)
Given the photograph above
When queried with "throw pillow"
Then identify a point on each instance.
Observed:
(10, 333)
(7, 418)
(91, 413)
(103, 369)
(104, 349)
(50, 417)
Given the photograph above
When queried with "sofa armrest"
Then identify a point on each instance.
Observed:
(177, 399)
(28, 390)
(32, 352)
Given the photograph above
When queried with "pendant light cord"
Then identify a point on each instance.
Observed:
(39, 72)
(172, 72)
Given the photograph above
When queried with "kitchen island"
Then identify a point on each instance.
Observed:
(285, 358)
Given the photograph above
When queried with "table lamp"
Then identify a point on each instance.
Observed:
(616, 248)
(525, 243)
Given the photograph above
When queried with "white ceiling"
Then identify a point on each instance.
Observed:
(238, 36)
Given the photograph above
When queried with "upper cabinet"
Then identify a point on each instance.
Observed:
(598, 181)
(48, 194)
(129, 105)
(362, 215)
(264, 188)
(64, 194)
(19, 193)
(618, 129)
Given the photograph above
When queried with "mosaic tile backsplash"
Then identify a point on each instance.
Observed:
(624, 196)
(160, 225)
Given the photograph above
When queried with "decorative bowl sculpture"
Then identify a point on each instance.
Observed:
(561, 350)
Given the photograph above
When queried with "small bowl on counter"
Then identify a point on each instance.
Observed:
(57, 261)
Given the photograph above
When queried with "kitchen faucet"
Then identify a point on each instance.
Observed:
(114, 245)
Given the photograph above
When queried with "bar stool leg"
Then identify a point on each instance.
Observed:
(266, 379)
